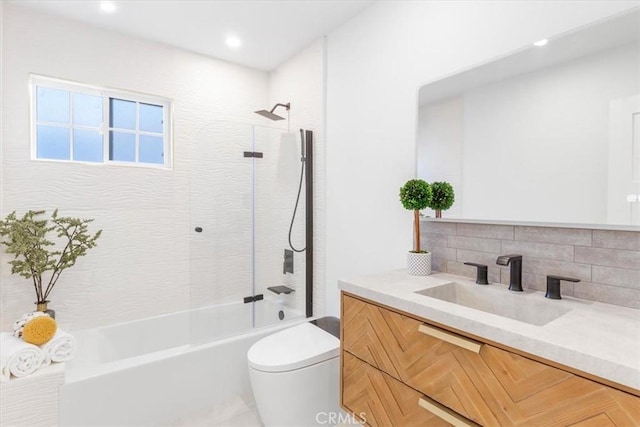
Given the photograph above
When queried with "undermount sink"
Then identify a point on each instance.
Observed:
(499, 301)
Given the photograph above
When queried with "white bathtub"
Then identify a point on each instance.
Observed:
(156, 370)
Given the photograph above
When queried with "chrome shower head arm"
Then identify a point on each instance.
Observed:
(271, 115)
(287, 106)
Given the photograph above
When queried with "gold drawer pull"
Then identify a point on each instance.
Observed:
(466, 343)
(445, 413)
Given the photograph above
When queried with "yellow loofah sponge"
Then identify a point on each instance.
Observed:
(39, 330)
(35, 328)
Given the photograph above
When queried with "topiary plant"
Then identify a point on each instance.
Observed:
(442, 197)
(27, 238)
(415, 195)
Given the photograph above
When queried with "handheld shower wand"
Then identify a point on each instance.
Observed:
(303, 159)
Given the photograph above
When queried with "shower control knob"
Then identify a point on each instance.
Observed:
(198, 229)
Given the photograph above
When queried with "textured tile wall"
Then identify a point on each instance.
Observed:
(301, 81)
(33, 400)
(149, 260)
(142, 264)
(607, 262)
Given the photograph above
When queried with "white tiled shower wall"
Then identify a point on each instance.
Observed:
(299, 81)
(143, 264)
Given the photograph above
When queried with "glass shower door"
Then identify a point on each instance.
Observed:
(221, 241)
(279, 269)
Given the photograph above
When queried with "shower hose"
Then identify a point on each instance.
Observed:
(295, 209)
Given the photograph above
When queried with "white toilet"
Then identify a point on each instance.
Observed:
(295, 374)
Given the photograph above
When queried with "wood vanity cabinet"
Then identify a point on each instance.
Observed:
(398, 370)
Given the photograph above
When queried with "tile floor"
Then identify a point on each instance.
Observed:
(237, 412)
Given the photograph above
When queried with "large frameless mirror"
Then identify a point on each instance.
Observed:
(550, 133)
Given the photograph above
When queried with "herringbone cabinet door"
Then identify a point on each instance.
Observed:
(382, 400)
(493, 387)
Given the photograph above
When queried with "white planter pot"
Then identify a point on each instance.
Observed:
(419, 264)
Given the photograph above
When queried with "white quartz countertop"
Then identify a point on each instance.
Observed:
(600, 339)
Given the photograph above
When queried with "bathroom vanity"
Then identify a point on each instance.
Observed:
(414, 352)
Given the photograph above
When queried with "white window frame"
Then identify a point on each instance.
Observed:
(104, 128)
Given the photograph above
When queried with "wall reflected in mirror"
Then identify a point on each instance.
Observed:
(547, 134)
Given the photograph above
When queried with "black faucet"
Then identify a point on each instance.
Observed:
(481, 274)
(515, 281)
(553, 286)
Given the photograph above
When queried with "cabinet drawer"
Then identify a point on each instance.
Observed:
(381, 400)
(491, 386)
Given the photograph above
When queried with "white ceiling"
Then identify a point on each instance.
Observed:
(271, 31)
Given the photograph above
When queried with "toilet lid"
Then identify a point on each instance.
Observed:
(293, 348)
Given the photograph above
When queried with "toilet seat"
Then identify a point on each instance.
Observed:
(293, 348)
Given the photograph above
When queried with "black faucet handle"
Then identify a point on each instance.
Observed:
(475, 264)
(566, 279)
(481, 273)
(553, 286)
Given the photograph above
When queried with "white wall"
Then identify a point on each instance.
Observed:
(301, 81)
(376, 63)
(1, 97)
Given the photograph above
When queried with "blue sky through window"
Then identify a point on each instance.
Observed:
(53, 105)
(87, 145)
(72, 124)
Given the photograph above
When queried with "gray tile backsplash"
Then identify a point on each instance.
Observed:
(606, 261)
(569, 236)
(616, 239)
(610, 294)
(486, 230)
(616, 276)
(474, 243)
(608, 257)
(558, 268)
(539, 250)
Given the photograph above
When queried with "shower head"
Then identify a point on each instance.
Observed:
(269, 114)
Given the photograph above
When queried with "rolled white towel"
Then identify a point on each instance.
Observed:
(60, 348)
(18, 358)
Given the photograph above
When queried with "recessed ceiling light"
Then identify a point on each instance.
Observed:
(233, 42)
(107, 6)
(541, 42)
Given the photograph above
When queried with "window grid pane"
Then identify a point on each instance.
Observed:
(144, 121)
(151, 118)
(53, 142)
(52, 105)
(122, 114)
(87, 110)
(87, 145)
(122, 146)
(151, 149)
(69, 126)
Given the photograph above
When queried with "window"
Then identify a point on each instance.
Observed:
(79, 123)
